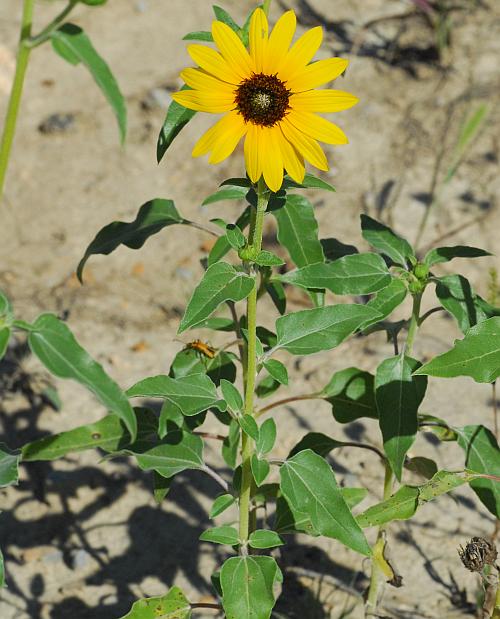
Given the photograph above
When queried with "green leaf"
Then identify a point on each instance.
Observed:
(235, 237)
(72, 44)
(222, 247)
(268, 259)
(262, 538)
(151, 218)
(459, 299)
(278, 296)
(191, 394)
(298, 231)
(177, 118)
(231, 395)
(56, 347)
(403, 504)
(398, 395)
(222, 503)
(199, 35)
(260, 469)
(6, 313)
(267, 437)
(351, 394)
(354, 274)
(310, 487)
(482, 455)
(249, 426)
(248, 587)
(445, 254)
(224, 17)
(221, 535)
(310, 182)
(174, 605)
(221, 282)
(354, 496)
(161, 487)
(386, 300)
(267, 386)
(468, 132)
(108, 434)
(477, 355)
(180, 450)
(230, 444)
(4, 340)
(322, 328)
(277, 370)
(226, 193)
(386, 241)
(317, 442)
(9, 465)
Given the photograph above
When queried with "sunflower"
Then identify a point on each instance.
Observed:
(267, 95)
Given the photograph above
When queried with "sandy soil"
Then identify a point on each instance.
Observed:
(84, 538)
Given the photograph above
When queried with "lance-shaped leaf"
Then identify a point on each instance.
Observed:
(457, 297)
(310, 487)
(351, 394)
(247, 587)
(108, 434)
(151, 218)
(56, 347)
(174, 605)
(5, 333)
(482, 455)
(386, 241)
(445, 254)
(322, 328)
(398, 395)
(310, 182)
(72, 44)
(354, 274)
(9, 465)
(386, 300)
(190, 394)
(178, 451)
(226, 193)
(221, 282)
(403, 504)
(298, 231)
(477, 355)
(177, 118)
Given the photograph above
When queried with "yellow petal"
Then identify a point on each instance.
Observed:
(207, 140)
(199, 80)
(258, 33)
(317, 73)
(292, 161)
(306, 146)
(204, 101)
(322, 101)
(279, 42)
(272, 161)
(232, 49)
(253, 160)
(317, 128)
(301, 54)
(229, 134)
(212, 62)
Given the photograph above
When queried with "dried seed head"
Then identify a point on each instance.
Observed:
(478, 553)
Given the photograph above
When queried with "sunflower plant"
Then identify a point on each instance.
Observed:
(266, 87)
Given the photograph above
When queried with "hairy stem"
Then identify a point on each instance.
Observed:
(16, 92)
(414, 322)
(248, 447)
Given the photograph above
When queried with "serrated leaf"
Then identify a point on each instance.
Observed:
(56, 347)
(386, 241)
(323, 328)
(221, 282)
(267, 437)
(477, 355)
(72, 44)
(310, 487)
(482, 455)
(226, 193)
(174, 605)
(260, 469)
(221, 535)
(445, 254)
(351, 394)
(398, 395)
(298, 231)
(222, 503)
(247, 587)
(262, 538)
(310, 182)
(177, 118)
(152, 217)
(355, 274)
(9, 465)
(277, 370)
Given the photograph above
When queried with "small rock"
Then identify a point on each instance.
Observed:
(57, 123)
(81, 559)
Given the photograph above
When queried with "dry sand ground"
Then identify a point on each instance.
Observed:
(82, 539)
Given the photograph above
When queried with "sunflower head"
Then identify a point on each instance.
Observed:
(267, 95)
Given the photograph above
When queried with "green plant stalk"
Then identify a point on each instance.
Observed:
(16, 92)
(266, 5)
(46, 33)
(414, 322)
(248, 447)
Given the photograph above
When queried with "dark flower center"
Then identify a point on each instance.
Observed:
(262, 99)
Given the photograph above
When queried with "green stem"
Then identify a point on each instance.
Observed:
(266, 5)
(23, 55)
(414, 322)
(248, 447)
(45, 34)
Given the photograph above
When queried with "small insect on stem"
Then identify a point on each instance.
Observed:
(202, 348)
